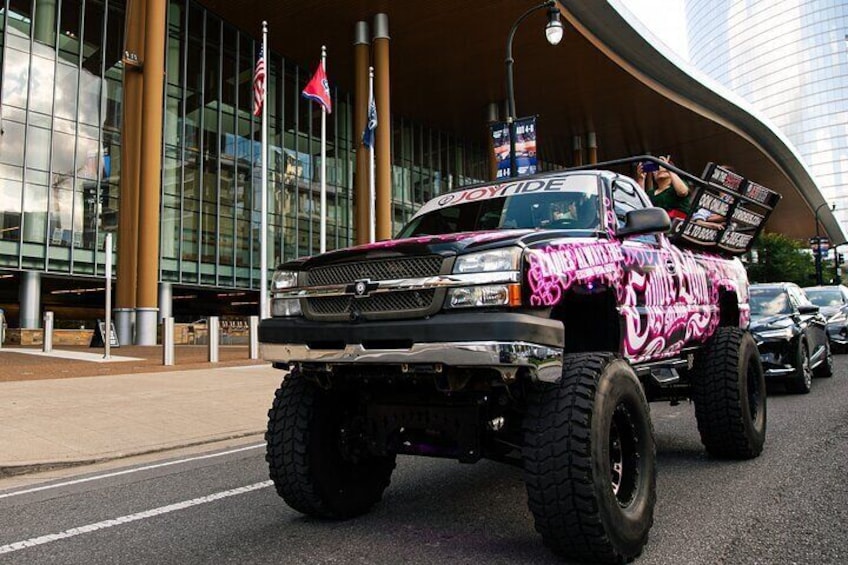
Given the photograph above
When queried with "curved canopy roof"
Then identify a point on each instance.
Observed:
(447, 65)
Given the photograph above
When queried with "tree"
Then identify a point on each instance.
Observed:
(781, 259)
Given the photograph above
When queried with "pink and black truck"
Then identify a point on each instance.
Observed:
(527, 321)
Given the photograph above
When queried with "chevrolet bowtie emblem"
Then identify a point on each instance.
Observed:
(361, 288)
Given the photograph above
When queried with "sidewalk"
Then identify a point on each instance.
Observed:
(136, 407)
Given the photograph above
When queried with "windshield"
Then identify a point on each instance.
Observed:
(569, 203)
(824, 297)
(769, 302)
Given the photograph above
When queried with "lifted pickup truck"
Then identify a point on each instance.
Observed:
(529, 322)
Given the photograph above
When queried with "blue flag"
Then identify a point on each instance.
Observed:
(368, 134)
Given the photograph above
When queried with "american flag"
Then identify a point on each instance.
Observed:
(259, 83)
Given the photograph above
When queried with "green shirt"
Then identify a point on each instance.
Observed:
(668, 199)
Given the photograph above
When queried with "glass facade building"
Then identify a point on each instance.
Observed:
(789, 59)
(60, 150)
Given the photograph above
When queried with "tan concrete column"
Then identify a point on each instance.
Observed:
(577, 151)
(127, 271)
(151, 171)
(384, 127)
(592, 146)
(362, 58)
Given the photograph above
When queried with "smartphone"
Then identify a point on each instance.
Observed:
(650, 166)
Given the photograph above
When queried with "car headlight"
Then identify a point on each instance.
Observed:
(505, 259)
(780, 333)
(284, 279)
(838, 318)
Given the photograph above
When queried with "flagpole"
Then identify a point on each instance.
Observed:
(324, 161)
(372, 197)
(263, 237)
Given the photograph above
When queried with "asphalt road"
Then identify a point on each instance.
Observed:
(788, 506)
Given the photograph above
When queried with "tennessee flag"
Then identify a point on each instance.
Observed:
(318, 89)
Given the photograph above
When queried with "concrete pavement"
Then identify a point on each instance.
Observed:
(57, 422)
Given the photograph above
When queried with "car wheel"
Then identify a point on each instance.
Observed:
(825, 369)
(802, 381)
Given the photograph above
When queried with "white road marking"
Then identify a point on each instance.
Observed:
(41, 540)
(128, 471)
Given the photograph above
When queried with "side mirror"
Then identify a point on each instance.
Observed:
(646, 220)
(807, 309)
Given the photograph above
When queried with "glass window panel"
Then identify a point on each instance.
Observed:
(20, 22)
(63, 155)
(35, 213)
(114, 43)
(38, 148)
(170, 231)
(69, 28)
(93, 37)
(15, 78)
(61, 224)
(12, 143)
(10, 209)
(66, 92)
(41, 85)
(114, 95)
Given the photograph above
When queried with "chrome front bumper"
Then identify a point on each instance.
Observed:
(543, 363)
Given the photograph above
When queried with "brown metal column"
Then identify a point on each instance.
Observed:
(577, 151)
(127, 271)
(362, 57)
(151, 171)
(384, 127)
(592, 147)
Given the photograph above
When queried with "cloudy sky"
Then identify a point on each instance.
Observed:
(666, 19)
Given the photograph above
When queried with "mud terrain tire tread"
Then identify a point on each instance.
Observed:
(728, 379)
(568, 484)
(304, 459)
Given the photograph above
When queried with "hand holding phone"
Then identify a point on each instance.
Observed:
(650, 166)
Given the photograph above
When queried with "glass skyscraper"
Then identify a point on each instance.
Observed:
(789, 59)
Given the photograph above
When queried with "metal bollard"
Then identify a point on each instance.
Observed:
(214, 338)
(253, 322)
(48, 332)
(167, 341)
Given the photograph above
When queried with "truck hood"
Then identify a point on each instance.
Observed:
(447, 244)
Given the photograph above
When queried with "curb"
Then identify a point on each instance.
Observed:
(7, 471)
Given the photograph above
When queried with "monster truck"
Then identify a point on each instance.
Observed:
(528, 321)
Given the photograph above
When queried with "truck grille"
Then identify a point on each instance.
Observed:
(388, 303)
(380, 305)
(377, 270)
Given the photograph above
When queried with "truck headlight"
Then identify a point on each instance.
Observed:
(283, 279)
(505, 259)
(285, 307)
(486, 295)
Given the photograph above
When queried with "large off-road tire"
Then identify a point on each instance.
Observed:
(729, 391)
(825, 369)
(311, 463)
(801, 382)
(589, 460)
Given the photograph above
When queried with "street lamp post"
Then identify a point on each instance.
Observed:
(818, 244)
(553, 32)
